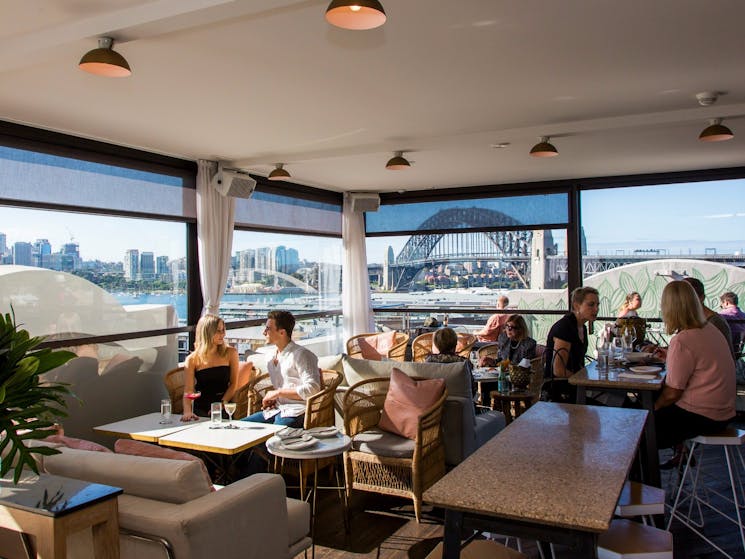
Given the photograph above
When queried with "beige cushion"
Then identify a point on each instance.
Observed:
(139, 448)
(382, 443)
(331, 363)
(455, 375)
(406, 402)
(298, 520)
(172, 481)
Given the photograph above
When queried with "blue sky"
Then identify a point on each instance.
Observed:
(672, 217)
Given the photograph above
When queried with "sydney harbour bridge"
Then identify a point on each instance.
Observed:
(529, 257)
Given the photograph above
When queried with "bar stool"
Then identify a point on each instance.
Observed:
(641, 500)
(626, 539)
(730, 440)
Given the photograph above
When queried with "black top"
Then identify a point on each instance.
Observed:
(212, 382)
(566, 329)
(515, 352)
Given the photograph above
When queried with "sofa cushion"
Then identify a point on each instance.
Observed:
(298, 520)
(456, 377)
(331, 363)
(172, 481)
(406, 401)
(139, 448)
(382, 443)
(72, 442)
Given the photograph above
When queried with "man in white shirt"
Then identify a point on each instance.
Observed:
(293, 371)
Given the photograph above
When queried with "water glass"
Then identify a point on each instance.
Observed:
(603, 359)
(165, 411)
(216, 415)
(617, 351)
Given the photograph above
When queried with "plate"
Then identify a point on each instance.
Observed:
(645, 369)
(290, 433)
(323, 432)
(637, 356)
(306, 441)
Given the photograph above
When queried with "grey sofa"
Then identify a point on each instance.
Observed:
(172, 500)
(464, 430)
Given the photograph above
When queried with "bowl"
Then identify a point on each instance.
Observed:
(637, 356)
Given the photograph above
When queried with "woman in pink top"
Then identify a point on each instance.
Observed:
(698, 395)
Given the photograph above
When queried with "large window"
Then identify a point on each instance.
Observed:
(466, 253)
(638, 238)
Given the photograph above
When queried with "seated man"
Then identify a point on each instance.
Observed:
(293, 371)
(490, 333)
(734, 317)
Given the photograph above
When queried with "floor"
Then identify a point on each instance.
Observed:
(384, 527)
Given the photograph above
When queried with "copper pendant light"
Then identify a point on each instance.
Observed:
(544, 148)
(716, 132)
(279, 173)
(105, 61)
(398, 162)
(355, 14)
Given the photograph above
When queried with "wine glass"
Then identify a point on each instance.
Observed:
(617, 351)
(192, 396)
(230, 410)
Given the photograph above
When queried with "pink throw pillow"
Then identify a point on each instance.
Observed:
(376, 347)
(139, 448)
(72, 442)
(406, 401)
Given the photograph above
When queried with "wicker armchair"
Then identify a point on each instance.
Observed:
(491, 350)
(397, 352)
(393, 474)
(422, 345)
(174, 381)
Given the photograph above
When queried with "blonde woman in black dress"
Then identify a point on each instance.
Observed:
(212, 368)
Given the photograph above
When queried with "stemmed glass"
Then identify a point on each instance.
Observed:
(230, 410)
(617, 351)
(192, 396)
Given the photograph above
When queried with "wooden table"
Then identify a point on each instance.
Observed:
(553, 475)
(226, 444)
(590, 379)
(146, 427)
(512, 404)
(49, 508)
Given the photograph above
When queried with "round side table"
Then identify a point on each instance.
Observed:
(324, 448)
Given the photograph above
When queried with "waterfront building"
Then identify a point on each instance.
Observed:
(147, 266)
(23, 254)
(132, 264)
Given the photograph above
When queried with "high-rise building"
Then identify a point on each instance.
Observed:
(161, 268)
(246, 265)
(23, 254)
(3, 244)
(132, 264)
(280, 259)
(147, 266)
(42, 254)
(264, 258)
(293, 260)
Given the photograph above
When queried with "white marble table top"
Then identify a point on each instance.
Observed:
(557, 464)
(146, 427)
(221, 441)
(324, 448)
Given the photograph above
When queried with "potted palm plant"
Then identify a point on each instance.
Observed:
(29, 407)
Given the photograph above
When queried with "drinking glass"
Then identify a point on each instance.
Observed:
(230, 410)
(603, 349)
(617, 351)
(165, 411)
(216, 415)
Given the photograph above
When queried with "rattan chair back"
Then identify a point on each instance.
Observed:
(174, 381)
(397, 351)
(319, 408)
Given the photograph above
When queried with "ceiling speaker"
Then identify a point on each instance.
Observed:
(231, 182)
(365, 202)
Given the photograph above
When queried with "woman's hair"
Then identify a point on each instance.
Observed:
(206, 329)
(630, 297)
(681, 308)
(521, 327)
(445, 340)
(581, 293)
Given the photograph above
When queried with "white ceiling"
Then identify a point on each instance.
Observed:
(256, 82)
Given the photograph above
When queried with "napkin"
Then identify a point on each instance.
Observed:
(290, 433)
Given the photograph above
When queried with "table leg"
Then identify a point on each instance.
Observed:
(581, 395)
(106, 534)
(51, 541)
(651, 462)
(451, 537)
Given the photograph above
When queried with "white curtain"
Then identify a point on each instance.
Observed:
(215, 218)
(355, 299)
